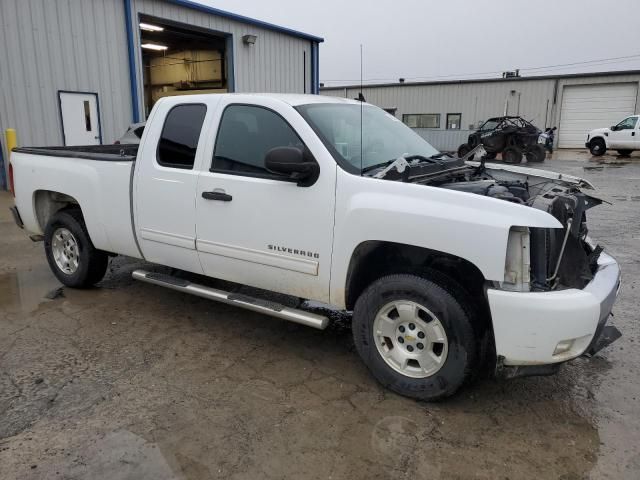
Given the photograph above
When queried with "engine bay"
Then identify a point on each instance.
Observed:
(560, 258)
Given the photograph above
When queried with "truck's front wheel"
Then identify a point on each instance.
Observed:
(70, 253)
(597, 147)
(416, 336)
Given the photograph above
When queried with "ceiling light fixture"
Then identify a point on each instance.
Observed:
(154, 46)
(150, 28)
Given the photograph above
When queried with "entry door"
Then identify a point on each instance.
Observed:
(80, 118)
(257, 228)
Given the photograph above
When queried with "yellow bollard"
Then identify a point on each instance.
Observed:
(12, 140)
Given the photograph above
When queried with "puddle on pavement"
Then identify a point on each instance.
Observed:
(26, 290)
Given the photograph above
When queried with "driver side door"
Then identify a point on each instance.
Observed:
(624, 135)
(258, 228)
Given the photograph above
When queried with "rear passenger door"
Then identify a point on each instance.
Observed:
(165, 183)
(258, 228)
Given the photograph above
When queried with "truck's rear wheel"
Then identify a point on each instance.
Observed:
(72, 257)
(416, 336)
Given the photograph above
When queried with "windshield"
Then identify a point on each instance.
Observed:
(489, 125)
(384, 137)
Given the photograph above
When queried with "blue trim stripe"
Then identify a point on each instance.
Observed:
(231, 66)
(315, 64)
(243, 19)
(317, 68)
(3, 181)
(133, 78)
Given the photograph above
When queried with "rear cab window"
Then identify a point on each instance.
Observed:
(180, 134)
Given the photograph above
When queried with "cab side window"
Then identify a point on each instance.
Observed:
(179, 138)
(628, 123)
(245, 135)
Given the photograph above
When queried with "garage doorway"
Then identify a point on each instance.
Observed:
(180, 59)
(585, 107)
(80, 117)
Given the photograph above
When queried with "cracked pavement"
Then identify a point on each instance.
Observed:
(132, 381)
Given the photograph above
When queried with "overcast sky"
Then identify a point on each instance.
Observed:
(456, 39)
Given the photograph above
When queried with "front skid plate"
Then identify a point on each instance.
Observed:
(609, 335)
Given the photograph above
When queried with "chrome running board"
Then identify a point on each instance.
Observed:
(239, 300)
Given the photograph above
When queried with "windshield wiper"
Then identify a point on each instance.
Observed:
(432, 159)
(378, 165)
(400, 164)
(422, 158)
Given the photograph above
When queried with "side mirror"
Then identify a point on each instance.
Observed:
(298, 165)
(613, 128)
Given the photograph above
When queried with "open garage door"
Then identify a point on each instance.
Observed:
(585, 107)
(181, 59)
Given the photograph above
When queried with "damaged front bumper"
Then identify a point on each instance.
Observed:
(536, 331)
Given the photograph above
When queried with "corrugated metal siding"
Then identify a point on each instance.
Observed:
(476, 101)
(273, 64)
(48, 46)
(81, 45)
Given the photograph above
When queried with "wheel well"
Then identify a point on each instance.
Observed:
(374, 259)
(47, 203)
(598, 138)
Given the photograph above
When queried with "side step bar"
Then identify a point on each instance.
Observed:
(239, 300)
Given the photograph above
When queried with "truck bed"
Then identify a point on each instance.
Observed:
(103, 153)
(97, 177)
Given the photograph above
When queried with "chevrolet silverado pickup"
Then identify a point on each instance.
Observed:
(445, 264)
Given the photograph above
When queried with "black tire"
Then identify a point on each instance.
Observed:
(625, 153)
(597, 147)
(536, 154)
(92, 263)
(512, 154)
(463, 150)
(451, 307)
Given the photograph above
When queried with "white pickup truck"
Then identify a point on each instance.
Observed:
(446, 264)
(623, 137)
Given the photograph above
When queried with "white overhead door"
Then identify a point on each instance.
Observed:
(585, 107)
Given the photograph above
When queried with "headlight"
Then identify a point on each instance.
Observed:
(517, 263)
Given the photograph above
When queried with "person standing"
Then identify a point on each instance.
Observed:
(551, 135)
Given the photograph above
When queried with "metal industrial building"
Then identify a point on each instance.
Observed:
(445, 112)
(81, 71)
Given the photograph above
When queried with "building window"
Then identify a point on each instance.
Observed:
(180, 133)
(453, 121)
(422, 120)
(87, 115)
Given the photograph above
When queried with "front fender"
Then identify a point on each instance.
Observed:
(465, 225)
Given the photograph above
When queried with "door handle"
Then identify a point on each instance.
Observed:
(633, 134)
(219, 195)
